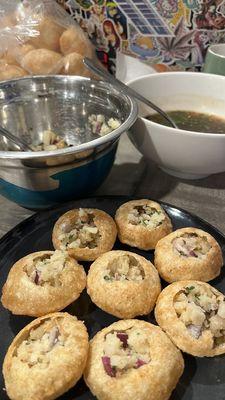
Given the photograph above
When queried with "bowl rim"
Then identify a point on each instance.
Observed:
(112, 136)
(180, 73)
(213, 47)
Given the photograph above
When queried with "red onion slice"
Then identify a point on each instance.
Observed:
(123, 338)
(36, 278)
(98, 127)
(192, 253)
(107, 366)
(140, 363)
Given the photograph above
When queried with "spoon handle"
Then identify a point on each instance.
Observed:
(18, 141)
(116, 82)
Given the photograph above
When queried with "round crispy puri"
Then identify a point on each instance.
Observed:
(65, 363)
(11, 71)
(42, 62)
(138, 235)
(73, 65)
(153, 381)
(168, 320)
(49, 33)
(127, 298)
(105, 225)
(73, 40)
(22, 296)
(172, 267)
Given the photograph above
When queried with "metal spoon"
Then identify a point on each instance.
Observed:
(18, 141)
(116, 82)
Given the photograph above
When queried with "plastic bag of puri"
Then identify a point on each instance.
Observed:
(38, 37)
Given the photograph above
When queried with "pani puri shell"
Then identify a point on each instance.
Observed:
(15, 55)
(141, 235)
(173, 266)
(73, 65)
(46, 358)
(21, 51)
(154, 380)
(74, 40)
(123, 284)
(42, 61)
(11, 71)
(102, 241)
(187, 311)
(37, 289)
(49, 35)
(10, 58)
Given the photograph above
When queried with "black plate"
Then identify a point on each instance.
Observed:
(203, 378)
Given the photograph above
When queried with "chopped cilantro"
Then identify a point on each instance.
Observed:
(189, 289)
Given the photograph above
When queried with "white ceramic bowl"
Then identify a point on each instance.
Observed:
(181, 153)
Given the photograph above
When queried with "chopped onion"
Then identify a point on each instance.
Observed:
(194, 330)
(140, 363)
(123, 338)
(107, 366)
(36, 278)
(53, 337)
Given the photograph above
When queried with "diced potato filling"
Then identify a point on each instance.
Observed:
(124, 350)
(40, 344)
(147, 216)
(97, 123)
(100, 126)
(83, 233)
(47, 269)
(200, 309)
(50, 141)
(191, 245)
(125, 267)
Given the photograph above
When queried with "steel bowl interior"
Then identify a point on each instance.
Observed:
(29, 106)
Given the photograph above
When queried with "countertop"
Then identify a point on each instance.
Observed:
(132, 175)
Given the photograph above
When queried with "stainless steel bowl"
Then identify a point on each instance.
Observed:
(62, 104)
(32, 105)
